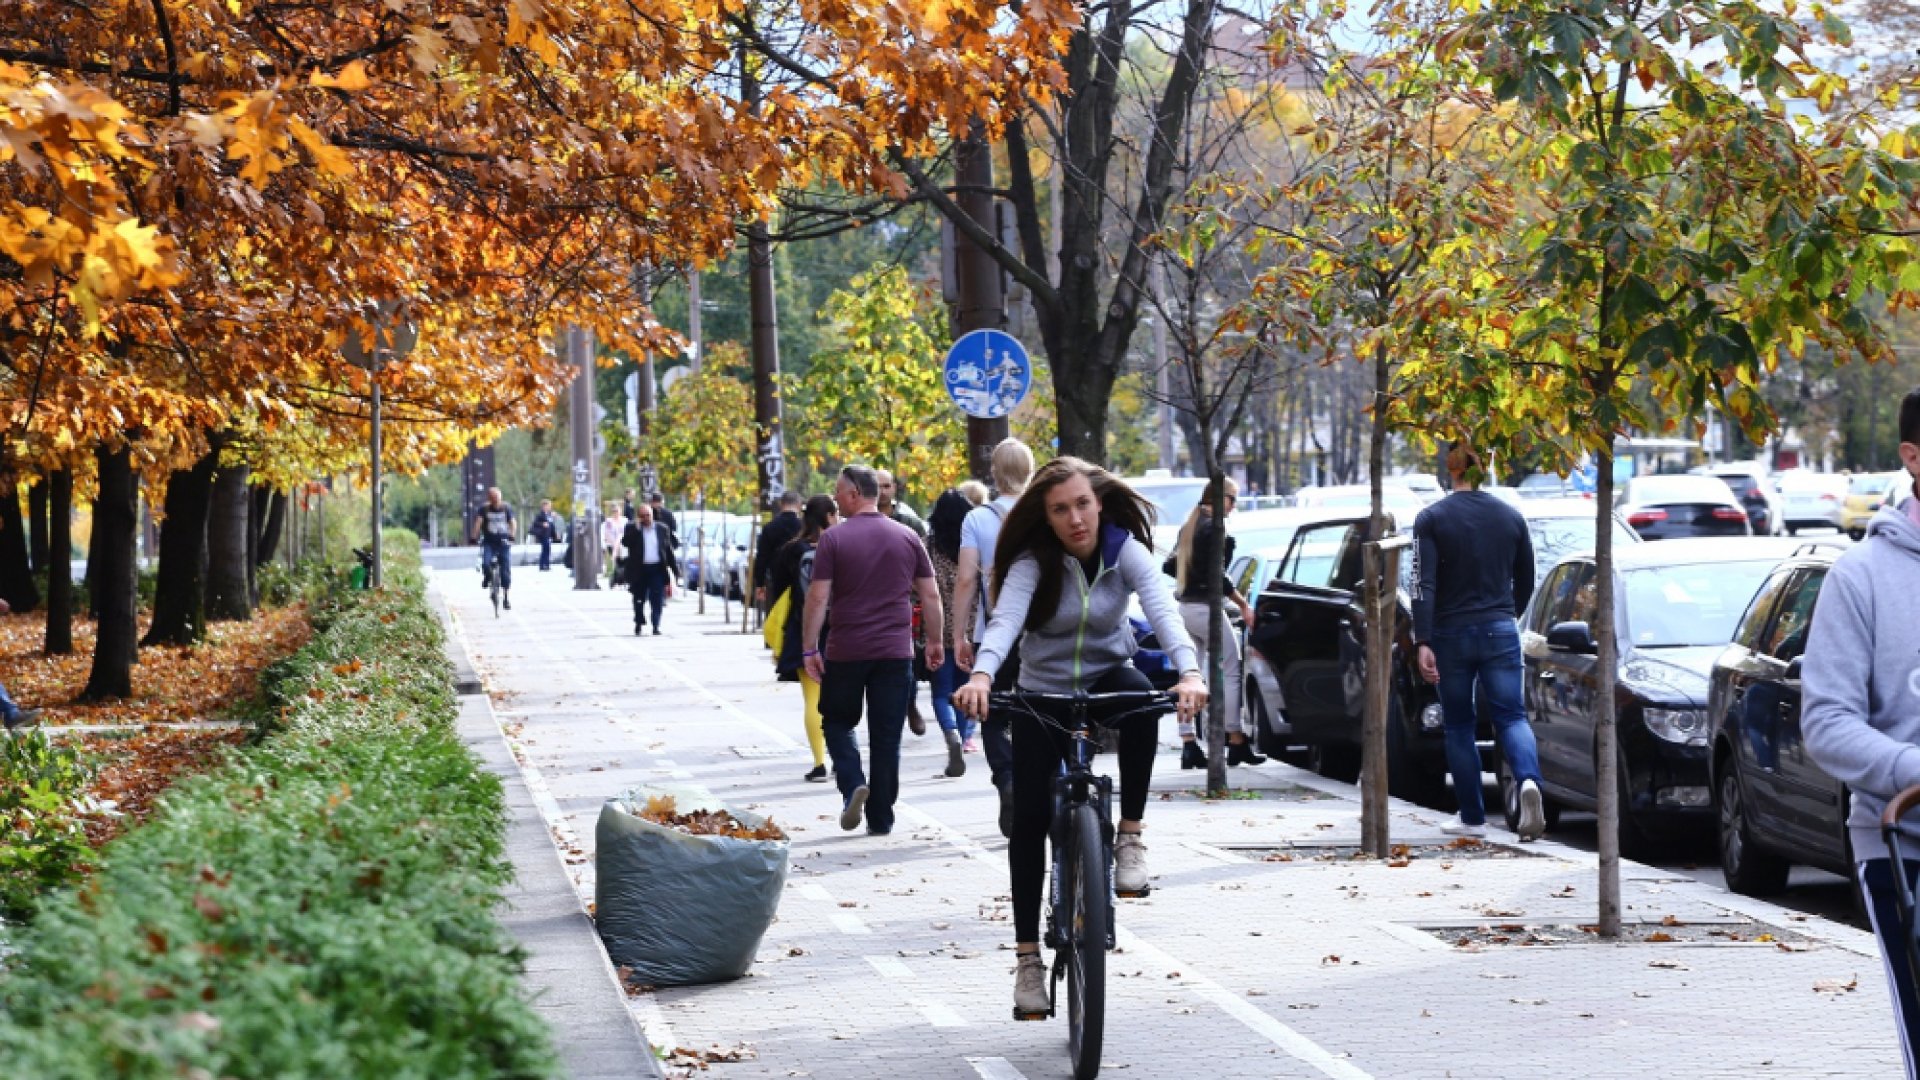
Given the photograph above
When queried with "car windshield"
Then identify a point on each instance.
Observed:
(1556, 538)
(1172, 500)
(1742, 484)
(1272, 538)
(1695, 604)
(1867, 484)
(1656, 490)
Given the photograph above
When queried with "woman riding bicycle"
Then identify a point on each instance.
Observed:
(1075, 522)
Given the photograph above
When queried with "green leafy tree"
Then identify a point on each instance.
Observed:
(701, 439)
(876, 395)
(1699, 215)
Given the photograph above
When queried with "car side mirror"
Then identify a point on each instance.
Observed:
(1793, 670)
(1574, 637)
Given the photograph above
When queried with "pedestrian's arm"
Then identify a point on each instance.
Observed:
(966, 581)
(1523, 570)
(1009, 616)
(932, 620)
(812, 618)
(1836, 685)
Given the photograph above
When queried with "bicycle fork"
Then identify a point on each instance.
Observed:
(1069, 792)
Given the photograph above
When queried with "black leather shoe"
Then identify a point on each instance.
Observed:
(1240, 753)
(1192, 757)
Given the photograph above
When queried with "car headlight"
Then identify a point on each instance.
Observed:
(1685, 726)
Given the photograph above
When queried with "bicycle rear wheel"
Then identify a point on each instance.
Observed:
(494, 592)
(1088, 891)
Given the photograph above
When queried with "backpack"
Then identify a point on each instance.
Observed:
(986, 580)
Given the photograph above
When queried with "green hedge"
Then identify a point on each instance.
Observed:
(321, 905)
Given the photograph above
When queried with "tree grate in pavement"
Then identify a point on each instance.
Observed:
(1444, 852)
(1506, 930)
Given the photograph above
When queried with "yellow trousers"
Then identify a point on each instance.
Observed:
(817, 739)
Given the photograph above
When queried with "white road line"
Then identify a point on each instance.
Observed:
(889, 968)
(1414, 936)
(813, 890)
(939, 1015)
(996, 1069)
(849, 923)
(1296, 1045)
(1212, 852)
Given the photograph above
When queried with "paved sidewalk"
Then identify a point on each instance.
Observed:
(891, 956)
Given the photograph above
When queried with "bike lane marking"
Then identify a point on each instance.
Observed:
(996, 1069)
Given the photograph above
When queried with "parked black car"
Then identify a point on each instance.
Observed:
(1670, 507)
(1676, 607)
(1775, 807)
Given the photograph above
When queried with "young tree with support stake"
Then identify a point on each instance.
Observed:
(1696, 217)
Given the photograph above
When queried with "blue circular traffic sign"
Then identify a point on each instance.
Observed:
(988, 374)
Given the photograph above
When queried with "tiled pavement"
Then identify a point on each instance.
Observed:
(891, 955)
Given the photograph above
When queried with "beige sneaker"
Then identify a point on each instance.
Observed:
(1030, 988)
(1129, 864)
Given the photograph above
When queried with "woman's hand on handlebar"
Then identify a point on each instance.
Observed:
(1192, 694)
(971, 698)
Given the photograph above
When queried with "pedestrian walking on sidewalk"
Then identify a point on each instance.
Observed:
(651, 564)
(545, 529)
(1074, 548)
(1473, 574)
(786, 525)
(664, 516)
(1204, 548)
(866, 571)
(943, 548)
(787, 580)
(1011, 467)
(902, 513)
(613, 529)
(1861, 706)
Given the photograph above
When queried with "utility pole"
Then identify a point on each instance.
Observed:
(375, 578)
(765, 335)
(693, 320)
(586, 470)
(983, 304)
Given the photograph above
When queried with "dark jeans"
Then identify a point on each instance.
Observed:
(1039, 750)
(885, 686)
(1875, 877)
(546, 551)
(1484, 656)
(649, 587)
(500, 554)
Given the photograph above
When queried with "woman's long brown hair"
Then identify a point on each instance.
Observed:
(1027, 531)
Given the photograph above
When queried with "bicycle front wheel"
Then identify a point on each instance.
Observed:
(1090, 891)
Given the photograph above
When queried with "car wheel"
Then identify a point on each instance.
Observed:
(1510, 801)
(1793, 530)
(1408, 777)
(1335, 761)
(1750, 869)
(1856, 535)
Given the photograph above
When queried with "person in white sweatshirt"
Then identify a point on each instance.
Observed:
(1860, 681)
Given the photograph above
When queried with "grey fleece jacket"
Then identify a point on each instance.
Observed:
(1860, 677)
(1089, 634)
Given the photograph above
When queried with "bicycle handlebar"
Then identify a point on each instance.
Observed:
(1899, 806)
(1136, 698)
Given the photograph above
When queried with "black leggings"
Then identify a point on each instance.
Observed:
(1038, 750)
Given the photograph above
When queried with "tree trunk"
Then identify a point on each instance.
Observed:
(59, 640)
(16, 576)
(110, 563)
(271, 529)
(37, 524)
(1375, 824)
(228, 595)
(179, 596)
(256, 513)
(1606, 670)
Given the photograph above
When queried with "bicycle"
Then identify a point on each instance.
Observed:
(1898, 807)
(490, 577)
(1080, 891)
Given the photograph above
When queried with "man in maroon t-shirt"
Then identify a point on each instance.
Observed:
(867, 569)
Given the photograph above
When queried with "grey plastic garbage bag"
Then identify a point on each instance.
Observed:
(678, 909)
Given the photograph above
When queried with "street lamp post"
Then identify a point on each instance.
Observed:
(388, 339)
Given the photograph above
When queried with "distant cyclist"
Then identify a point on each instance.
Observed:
(1071, 552)
(493, 529)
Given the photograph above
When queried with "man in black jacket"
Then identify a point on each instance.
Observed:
(545, 529)
(784, 527)
(650, 564)
(1474, 573)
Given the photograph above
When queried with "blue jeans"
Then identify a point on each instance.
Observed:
(500, 554)
(886, 686)
(1875, 878)
(943, 710)
(546, 551)
(1487, 656)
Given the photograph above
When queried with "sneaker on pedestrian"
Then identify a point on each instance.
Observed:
(1030, 986)
(1005, 785)
(850, 814)
(1533, 811)
(971, 746)
(956, 765)
(818, 774)
(1459, 827)
(20, 718)
(1129, 863)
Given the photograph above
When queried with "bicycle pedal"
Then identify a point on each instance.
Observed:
(1018, 1015)
(1134, 894)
